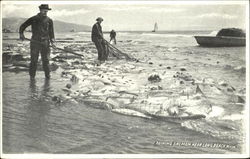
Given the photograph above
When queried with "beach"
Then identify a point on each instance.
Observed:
(176, 97)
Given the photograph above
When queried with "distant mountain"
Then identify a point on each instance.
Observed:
(13, 24)
(60, 26)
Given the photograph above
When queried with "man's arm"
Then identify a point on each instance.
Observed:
(23, 27)
(99, 32)
(96, 32)
(51, 32)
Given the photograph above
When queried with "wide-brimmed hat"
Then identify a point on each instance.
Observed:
(44, 6)
(99, 19)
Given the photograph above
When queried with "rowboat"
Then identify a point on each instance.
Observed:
(220, 41)
(225, 37)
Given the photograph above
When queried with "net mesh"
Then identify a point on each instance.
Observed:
(112, 51)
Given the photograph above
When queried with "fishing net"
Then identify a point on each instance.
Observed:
(112, 51)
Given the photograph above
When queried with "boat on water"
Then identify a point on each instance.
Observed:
(155, 28)
(224, 38)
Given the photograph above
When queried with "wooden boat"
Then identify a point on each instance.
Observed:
(220, 41)
(225, 37)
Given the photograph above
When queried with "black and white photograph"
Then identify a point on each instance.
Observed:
(125, 79)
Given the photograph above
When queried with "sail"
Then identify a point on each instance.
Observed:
(155, 27)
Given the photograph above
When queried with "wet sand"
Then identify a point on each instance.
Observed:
(173, 78)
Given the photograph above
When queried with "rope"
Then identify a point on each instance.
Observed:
(114, 51)
(54, 47)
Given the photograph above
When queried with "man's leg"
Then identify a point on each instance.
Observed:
(107, 51)
(45, 53)
(34, 54)
(99, 49)
(111, 39)
(104, 51)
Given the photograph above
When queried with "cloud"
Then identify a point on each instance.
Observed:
(216, 15)
(126, 8)
(12, 10)
(144, 8)
(65, 13)
(165, 10)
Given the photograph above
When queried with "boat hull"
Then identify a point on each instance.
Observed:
(220, 41)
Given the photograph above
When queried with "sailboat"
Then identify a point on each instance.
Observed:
(155, 28)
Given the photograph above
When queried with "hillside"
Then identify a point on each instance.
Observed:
(14, 23)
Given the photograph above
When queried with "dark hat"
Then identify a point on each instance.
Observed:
(44, 6)
(99, 19)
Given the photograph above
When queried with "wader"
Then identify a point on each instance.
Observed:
(35, 50)
(101, 49)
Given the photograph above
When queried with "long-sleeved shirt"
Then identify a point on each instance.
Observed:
(112, 34)
(41, 26)
(96, 32)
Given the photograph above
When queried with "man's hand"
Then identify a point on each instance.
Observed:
(52, 41)
(22, 37)
(103, 41)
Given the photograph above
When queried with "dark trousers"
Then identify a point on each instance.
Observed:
(101, 49)
(112, 39)
(35, 49)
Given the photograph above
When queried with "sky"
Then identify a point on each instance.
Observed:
(140, 16)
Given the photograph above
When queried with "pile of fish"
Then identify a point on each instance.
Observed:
(129, 87)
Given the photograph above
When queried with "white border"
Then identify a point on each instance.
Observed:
(246, 122)
(78, 156)
(247, 111)
(1, 90)
(181, 2)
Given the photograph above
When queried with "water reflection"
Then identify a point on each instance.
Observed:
(46, 89)
(33, 88)
(43, 93)
(46, 86)
(37, 111)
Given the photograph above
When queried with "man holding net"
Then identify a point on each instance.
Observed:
(97, 38)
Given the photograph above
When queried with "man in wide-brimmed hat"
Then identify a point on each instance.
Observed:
(97, 38)
(42, 36)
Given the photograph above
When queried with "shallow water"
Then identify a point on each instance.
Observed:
(32, 122)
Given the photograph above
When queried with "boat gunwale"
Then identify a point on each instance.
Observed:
(221, 37)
